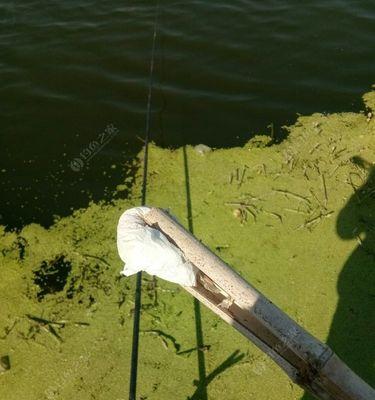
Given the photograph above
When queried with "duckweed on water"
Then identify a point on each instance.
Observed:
(296, 219)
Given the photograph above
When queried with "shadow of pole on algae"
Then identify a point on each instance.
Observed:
(197, 307)
(352, 333)
(204, 380)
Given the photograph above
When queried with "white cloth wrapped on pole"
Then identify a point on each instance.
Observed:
(144, 248)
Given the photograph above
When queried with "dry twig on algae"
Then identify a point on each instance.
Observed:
(243, 175)
(290, 160)
(317, 199)
(273, 214)
(296, 196)
(47, 326)
(239, 176)
(324, 190)
(314, 147)
(261, 169)
(311, 223)
(50, 326)
(8, 329)
(355, 187)
(338, 153)
(298, 211)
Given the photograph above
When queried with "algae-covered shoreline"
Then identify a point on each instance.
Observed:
(296, 219)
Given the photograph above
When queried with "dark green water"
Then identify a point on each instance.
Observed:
(224, 71)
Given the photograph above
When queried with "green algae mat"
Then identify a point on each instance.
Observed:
(296, 219)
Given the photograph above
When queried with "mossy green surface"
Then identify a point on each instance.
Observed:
(296, 219)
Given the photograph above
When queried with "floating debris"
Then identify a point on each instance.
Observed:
(202, 149)
(242, 210)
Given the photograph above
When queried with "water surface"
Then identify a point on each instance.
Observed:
(224, 71)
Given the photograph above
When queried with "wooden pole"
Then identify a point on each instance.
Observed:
(307, 361)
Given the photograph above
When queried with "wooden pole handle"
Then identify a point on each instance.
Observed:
(305, 359)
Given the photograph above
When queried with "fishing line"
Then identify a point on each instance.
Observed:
(138, 287)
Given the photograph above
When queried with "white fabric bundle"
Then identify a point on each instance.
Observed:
(143, 248)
